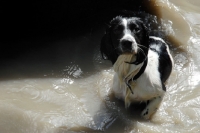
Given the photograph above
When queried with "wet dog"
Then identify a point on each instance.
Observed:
(142, 63)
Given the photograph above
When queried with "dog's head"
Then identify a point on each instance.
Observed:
(125, 36)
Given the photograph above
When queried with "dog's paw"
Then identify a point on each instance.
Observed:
(146, 114)
(152, 107)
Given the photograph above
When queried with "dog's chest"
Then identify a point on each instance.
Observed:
(146, 87)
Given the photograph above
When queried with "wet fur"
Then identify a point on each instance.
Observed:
(127, 45)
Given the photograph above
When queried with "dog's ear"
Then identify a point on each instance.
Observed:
(107, 48)
(146, 33)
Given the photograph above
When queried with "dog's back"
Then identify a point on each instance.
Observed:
(165, 65)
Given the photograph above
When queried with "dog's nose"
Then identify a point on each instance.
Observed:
(127, 44)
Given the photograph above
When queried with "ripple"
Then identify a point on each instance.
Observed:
(72, 70)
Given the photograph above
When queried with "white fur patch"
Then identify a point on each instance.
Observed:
(124, 21)
(157, 38)
(146, 87)
(128, 36)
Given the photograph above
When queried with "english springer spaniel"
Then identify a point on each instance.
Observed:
(142, 63)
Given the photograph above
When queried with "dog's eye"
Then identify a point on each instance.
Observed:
(137, 30)
(134, 28)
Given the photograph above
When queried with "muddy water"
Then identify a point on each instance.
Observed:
(68, 90)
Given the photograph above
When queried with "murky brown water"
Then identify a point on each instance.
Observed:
(71, 92)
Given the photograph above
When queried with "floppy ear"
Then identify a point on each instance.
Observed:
(146, 30)
(107, 49)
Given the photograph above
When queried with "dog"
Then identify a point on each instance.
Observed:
(142, 63)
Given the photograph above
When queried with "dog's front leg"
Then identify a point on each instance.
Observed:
(151, 107)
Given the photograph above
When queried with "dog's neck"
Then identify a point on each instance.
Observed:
(128, 72)
(125, 70)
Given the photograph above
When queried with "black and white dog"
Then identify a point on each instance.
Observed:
(142, 63)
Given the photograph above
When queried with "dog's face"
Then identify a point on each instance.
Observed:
(125, 36)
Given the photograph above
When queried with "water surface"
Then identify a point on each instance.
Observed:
(67, 88)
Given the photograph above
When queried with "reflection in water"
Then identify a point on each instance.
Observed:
(73, 91)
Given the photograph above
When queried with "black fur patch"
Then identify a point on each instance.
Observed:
(165, 64)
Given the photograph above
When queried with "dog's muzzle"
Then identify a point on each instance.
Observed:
(128, 45)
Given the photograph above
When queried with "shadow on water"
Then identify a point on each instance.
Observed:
(40, 39)
(57, 39)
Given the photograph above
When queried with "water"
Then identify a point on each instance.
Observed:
(63, 90)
